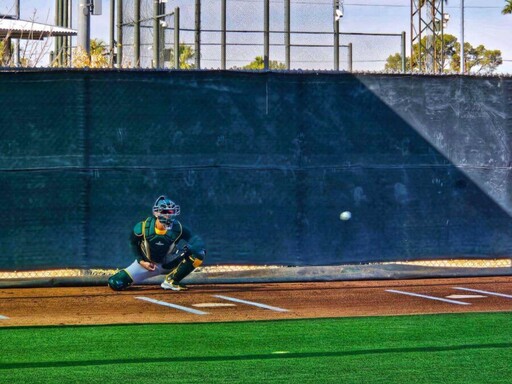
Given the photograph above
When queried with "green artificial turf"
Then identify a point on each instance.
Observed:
(454, 348)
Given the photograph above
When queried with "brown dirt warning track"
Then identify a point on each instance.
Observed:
(252, 302)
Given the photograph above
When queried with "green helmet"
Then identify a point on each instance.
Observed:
(166, 210)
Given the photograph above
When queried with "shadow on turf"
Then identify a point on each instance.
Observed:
(62, 364)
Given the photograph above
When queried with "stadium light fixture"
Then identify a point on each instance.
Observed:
(338, 14)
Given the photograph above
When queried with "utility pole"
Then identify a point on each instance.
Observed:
(86, 8)
(84, 26)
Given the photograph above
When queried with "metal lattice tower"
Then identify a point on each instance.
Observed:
(427, 32)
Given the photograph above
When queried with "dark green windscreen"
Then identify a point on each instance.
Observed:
(262, 165)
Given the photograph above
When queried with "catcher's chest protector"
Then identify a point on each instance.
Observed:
(160, 244)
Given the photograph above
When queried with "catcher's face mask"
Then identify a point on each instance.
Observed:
(166, 210)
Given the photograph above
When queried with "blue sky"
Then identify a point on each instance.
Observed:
(484, 24)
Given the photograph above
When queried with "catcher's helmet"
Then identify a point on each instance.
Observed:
(166, 210)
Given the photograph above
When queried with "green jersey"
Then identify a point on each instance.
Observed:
(152, 244)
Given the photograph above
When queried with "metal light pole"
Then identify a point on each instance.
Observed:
(84, 26)
(86, 8)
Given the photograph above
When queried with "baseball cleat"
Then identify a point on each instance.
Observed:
(173, 286)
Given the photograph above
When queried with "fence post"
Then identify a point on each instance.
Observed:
(287, 32)
(64, 39)
(197, 40)
(223, 35)
(462, 58)
(136, 34)
(17, 41)
(177, 38)
(404, 59)
(266, 36)
(350, 57)
(119, 33)
(112, 31)
(58, 39)
(68, 39)
(156, 38)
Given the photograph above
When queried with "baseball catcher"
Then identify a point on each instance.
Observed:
(155, 244)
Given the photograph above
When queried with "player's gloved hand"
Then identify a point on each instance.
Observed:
(147, 265)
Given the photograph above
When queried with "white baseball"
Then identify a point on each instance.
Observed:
(345, 215)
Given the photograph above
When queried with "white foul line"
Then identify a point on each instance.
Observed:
(485, 292)
(2, 317)
(251, 303)
(465, 296)
(428, 297)
(186, 309)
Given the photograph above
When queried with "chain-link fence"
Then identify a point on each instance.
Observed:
(311, 38)
(232, 35)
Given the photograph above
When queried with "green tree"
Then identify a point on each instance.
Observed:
(6, 52)
(187, 56)
(478, 60)
(98, 47)
(98, 57)
(394, 63)
(2, 53)
(259, 63)
(507, 10)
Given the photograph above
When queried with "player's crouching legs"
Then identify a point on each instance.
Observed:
(121, 280)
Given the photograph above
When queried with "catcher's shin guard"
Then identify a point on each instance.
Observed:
(121, 280)
(176, 260)
(187, 265)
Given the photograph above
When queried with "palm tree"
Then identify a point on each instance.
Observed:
(97, 58)
(508, 8)
(187, 54)
(98, 47)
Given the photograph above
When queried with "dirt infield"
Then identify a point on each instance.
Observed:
(252, 302)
